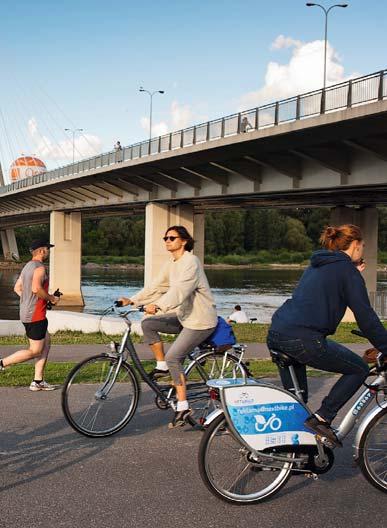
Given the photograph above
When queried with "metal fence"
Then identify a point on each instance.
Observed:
(379, 303)
(355, 92)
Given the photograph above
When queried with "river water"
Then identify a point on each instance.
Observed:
(258, 291)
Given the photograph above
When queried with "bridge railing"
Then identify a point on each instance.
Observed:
(354, 92)
(379, 303)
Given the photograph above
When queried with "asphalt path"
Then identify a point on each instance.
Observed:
(147, 475)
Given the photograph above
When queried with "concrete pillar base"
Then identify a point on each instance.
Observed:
(198, 234)
(65, 257)
(9, 245)
(158, 217)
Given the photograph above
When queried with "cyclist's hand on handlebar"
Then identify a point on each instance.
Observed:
(151, 309)
(123, 301)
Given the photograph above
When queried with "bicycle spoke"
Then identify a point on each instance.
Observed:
(92, 403)
(373, 457)
(208, 365)
(238, 479)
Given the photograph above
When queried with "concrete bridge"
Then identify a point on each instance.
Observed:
(323, 148)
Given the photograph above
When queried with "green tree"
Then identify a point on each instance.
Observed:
(382, 236)
(25, 235)
(296, 238)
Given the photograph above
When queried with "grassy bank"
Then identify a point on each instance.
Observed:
(245, 333)
(263, 257)
(106, 259)
(56, 373)
(256, 333)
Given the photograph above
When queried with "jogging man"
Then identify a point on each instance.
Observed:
(32, 288)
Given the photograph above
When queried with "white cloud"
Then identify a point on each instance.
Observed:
(303, 72)
(158, 129)
(282, 42)
(181, 116)
(85, 145)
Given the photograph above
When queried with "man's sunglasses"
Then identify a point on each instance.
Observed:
(171, 238)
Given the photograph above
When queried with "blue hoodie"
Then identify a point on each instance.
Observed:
(327, 287)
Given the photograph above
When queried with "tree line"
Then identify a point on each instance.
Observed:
(226, 233)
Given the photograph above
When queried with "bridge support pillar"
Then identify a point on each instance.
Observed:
(158, 217)
(9, 244)
(198, 234)
(65, 257)
(367, 219)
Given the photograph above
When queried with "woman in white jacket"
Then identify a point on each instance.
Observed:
(182, 293)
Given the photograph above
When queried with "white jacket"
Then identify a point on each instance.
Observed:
(182, 287)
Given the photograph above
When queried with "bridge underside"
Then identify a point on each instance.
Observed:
(333, 159)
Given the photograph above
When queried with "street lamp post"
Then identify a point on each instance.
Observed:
(73, 131)
(326, 12)
(151, 94)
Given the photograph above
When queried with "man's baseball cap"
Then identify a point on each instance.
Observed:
(40, 242)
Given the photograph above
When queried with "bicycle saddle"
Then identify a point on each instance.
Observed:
(282, 359)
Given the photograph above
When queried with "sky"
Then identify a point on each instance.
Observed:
(80, 63)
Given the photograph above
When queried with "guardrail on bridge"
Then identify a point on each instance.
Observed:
(348, 94)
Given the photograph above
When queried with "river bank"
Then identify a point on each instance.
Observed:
(17, 266)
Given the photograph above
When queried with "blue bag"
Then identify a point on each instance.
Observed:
(223, 335)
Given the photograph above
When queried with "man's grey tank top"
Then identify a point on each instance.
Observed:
(31, 307)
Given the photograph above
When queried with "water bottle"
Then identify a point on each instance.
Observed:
(57, 293)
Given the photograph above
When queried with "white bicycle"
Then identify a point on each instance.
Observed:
(257, 439)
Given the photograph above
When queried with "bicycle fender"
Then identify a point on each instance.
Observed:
(369, 416)
(211, 417)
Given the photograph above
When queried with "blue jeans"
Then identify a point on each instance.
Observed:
(322, 354)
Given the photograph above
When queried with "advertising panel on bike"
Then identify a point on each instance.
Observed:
(265, 416)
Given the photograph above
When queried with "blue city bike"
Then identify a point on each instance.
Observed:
(257, 439)
(101, 394)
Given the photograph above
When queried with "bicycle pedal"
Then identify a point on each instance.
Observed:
(312, 476)
(163, 382)
(325, 441)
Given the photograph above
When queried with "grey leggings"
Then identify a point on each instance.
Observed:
(186, 341)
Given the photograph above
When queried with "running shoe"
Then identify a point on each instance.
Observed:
(322, 429)
(157, 373)
(180, 418)
(41, 386)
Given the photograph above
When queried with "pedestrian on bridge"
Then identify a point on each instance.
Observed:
(32, 288)
(118, 149)
(245, 124)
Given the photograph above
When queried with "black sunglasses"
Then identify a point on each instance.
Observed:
(171, 238)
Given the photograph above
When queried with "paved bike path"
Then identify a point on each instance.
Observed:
(79, 352)
(147, 476)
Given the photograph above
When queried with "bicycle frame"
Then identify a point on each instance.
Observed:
(127, 344)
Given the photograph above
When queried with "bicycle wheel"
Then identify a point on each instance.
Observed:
(94, 401)
(373, 451)
(208, 365)
(231, 472)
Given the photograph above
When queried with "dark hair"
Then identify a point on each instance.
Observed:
(183, 233)
(237, 308)
(339, 238)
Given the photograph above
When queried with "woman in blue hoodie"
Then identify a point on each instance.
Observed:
(301, 325)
